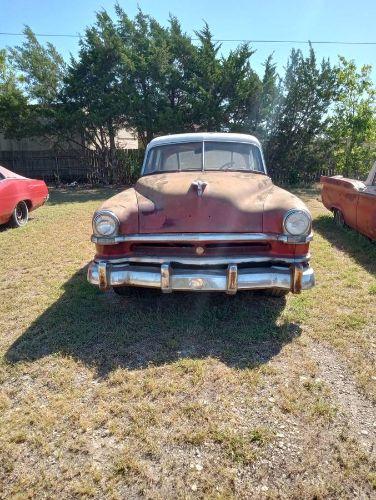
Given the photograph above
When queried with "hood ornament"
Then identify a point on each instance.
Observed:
(200, 185)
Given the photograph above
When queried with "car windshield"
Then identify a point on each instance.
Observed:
(207, 155)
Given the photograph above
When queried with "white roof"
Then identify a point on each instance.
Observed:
(204, 136)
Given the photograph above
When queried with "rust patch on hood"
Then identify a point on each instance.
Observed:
(231, 201)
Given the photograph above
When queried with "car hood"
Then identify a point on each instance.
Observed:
(202, 202)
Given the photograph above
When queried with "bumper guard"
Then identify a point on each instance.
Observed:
(295, 278)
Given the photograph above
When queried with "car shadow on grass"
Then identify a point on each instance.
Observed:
(105, 331)
(59, 196)
(360, 248)
(7, 227)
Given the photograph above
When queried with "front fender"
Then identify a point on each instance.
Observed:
(124, 205)
(277, 203)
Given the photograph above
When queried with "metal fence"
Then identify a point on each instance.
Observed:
(52, 167)
(301, 177)
(89, 167)
(75, 165)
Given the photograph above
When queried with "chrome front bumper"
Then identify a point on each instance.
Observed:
(105, 274)
(200, 237)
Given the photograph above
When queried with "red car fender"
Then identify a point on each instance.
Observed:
(15, 188)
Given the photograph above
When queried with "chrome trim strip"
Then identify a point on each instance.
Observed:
(208, 261)
(202, 279)
(201, 237)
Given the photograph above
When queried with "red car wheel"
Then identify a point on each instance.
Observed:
(20, 215)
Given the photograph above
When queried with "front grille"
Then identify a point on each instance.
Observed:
(203, 250)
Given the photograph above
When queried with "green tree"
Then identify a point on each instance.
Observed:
(42, 69)
(269, 100)
(225, 90)
(41, 72)
(138, 74)
(92, 89)
(173, 85)
(13, 103)
(156, 74)
(352, 129)
(301, 115)
(152, 79)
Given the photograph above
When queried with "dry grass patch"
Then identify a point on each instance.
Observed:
(230, 397)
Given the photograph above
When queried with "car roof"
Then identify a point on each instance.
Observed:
(8, 174)
(204, 136)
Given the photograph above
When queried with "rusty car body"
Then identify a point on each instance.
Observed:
(19, 196)
(352, 202)
(204, 216)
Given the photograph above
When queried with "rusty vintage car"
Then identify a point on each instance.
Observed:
(19, 196)
(204, 216)
(352, 202)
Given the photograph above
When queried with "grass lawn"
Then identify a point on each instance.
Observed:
(183, 395)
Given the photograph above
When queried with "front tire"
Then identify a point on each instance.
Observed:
(338, 218)
(20, 215)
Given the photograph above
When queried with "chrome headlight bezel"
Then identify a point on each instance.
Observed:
(305, 214)
(101, 214)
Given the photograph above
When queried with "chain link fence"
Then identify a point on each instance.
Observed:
(91, 167)
(84, 167)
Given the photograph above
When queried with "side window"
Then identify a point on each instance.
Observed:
(1, 176)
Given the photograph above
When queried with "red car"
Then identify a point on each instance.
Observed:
(204, 216)
(352, 202)
(19, 196)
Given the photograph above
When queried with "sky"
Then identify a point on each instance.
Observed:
(315, 20)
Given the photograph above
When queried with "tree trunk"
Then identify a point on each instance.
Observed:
(112, 155)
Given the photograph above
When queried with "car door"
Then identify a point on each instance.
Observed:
(366, 210)
(3, 200)
(348, 199)
(8, 197)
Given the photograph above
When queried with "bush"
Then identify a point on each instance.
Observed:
(128, 168)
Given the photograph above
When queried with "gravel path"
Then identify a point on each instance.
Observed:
(360, 411)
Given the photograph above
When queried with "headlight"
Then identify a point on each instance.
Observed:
(297, 222)
(105, 223)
